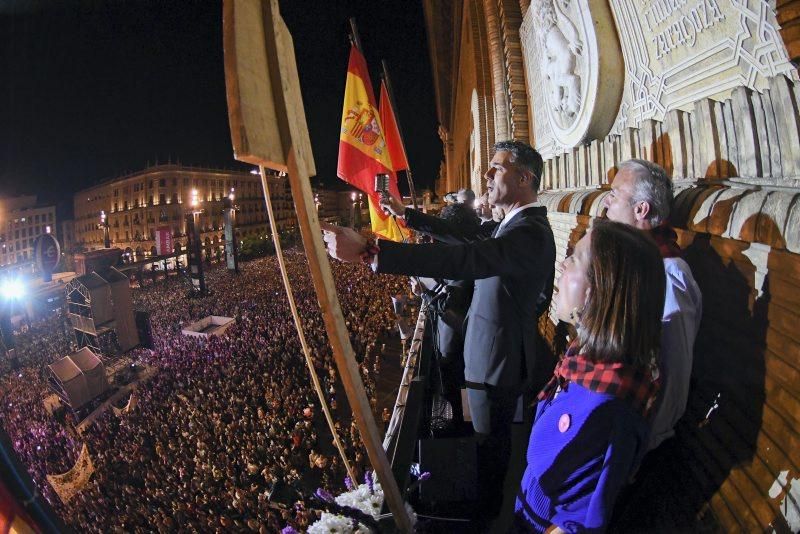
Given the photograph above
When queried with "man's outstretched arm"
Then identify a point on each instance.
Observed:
(516, 252)
(439, 229)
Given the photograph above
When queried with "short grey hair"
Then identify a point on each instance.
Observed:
(652, 186)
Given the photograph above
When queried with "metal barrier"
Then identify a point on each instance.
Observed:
(409, 372)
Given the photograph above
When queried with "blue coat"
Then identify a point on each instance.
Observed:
(583, 449)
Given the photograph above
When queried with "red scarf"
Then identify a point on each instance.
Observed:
(667, 240)
(632, 384)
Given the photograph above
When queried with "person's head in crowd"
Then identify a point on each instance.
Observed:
(514, 175)
(461, 215)
(612, 291)
(466, 196)
(640, 196)
(451, 197)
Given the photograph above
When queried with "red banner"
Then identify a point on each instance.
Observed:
(164, 243)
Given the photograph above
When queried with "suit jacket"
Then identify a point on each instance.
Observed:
(511, 269)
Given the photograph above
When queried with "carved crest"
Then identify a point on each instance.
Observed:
(362, 125)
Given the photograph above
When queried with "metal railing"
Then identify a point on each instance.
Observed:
(409, 372)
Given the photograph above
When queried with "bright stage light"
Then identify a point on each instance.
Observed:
(12, 289)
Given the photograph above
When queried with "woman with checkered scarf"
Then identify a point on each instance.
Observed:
(591, 424)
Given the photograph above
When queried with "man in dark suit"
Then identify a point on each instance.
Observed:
(512, 263)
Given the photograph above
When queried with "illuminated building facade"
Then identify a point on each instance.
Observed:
(138, 204)
(21, 221)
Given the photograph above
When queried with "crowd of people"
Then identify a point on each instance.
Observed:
(223, 424)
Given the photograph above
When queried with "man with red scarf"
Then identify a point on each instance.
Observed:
(641, 196)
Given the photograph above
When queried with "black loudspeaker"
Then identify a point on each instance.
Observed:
(7, 330)
(453, 465)
(144, 328)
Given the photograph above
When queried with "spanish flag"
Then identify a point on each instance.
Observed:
(13, 519)
(363, 152)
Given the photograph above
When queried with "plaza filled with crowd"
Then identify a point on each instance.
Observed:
(223, 423)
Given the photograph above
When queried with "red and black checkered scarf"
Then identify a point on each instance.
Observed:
(667, 240)
(632, 384)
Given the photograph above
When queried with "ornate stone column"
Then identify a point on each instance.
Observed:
(482, 99)
(510, 20)
(498, 67)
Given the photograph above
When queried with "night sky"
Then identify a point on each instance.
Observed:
(93, 89)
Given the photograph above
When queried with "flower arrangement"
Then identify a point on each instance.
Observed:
(354, 512)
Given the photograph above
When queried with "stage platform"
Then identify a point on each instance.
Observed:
(213, 325)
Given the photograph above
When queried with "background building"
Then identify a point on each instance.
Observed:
(138, 204)
(341, 207)
(21, 221)
(67, 236)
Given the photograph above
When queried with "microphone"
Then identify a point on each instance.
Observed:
(381, 183)
(382, 186)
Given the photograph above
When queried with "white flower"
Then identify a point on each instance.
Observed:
(362, 498)
(334, 524)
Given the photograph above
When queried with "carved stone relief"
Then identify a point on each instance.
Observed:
(573, 63)
(562, 62)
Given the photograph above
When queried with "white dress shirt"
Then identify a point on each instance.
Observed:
(683, 308)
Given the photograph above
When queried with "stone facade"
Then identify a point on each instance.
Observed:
(341, 207)
(22, 220)
(138, 204)
(709, 90)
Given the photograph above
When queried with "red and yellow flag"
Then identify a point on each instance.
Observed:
(391, 132)
(13, 518)
(363, 152)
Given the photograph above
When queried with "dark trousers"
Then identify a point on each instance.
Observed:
(492, 411)
(451, 367)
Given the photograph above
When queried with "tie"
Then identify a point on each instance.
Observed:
(496, 230)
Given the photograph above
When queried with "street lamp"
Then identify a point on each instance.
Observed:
(195, 200)
(104, 227)
(353, 197)
(195, 261)
(12, 291)
(229, 219)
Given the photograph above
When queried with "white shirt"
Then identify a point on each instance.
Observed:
(513, 212)
(683, 308)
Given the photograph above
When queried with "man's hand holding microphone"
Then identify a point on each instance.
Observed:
(345, 244)
(392, 205)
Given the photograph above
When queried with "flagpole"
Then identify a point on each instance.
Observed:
(400, 130)
(354, 37)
